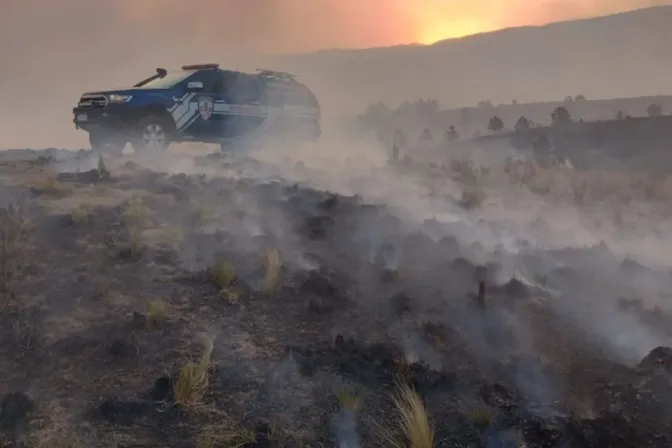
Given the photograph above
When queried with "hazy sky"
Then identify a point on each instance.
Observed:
(287, 25)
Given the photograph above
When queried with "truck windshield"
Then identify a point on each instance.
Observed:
(168, 81)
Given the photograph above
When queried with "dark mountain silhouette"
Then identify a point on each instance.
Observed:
(620, 55)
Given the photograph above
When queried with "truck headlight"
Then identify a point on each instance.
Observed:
(115, 98)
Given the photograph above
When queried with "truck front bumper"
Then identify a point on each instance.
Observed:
(92, 120)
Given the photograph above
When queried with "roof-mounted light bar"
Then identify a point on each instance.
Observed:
(199, 66)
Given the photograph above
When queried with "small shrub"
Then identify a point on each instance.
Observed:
(103, 173)
(463, 171)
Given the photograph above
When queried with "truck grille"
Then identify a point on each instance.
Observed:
(92, 101)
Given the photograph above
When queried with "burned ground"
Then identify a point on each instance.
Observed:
(312, 308)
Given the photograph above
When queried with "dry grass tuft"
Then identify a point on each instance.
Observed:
(135, 216)
(413, 428)
(199, 215)
(582, 407)
(349, 400)
(193, 377)
(586, 186)
(223, 274)
(206, 442)
(273, 264)
(403, 369)
(576, 187)
(156, 313)
(230, 296)
(136, 213)
(235, 436)
(475, 411)
(244, 437)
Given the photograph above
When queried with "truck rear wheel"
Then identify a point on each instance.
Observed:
(152, 134)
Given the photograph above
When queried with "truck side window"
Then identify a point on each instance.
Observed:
(209, 81)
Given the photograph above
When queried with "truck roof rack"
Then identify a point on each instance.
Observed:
(199, 66)
(277, 76)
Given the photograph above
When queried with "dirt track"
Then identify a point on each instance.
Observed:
(317, 307)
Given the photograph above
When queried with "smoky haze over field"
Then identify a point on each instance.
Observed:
(528, 288)
(54, 52)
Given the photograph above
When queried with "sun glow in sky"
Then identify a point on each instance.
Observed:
(435, 20)
(441, 28)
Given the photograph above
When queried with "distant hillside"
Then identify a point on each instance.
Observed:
(474, 120)
(620, 55)
(629, 143)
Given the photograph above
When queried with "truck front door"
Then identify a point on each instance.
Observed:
(199, 123)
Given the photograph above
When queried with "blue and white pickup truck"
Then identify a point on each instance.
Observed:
(200, 103)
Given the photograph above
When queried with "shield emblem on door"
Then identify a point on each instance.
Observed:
(205, 106)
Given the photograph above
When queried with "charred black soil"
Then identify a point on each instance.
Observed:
(142, 309)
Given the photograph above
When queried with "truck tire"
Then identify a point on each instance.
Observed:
(107, 144)
(152, 134)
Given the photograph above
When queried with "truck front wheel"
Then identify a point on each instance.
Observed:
(152, 134)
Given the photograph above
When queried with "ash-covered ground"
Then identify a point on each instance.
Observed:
(208, 301)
